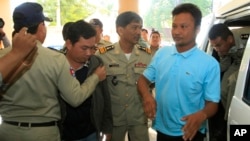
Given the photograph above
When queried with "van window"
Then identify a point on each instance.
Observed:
(246, 96)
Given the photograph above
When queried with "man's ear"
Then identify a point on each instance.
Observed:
(197, 30)
(230, 39)
(119, 30)
(68, 44)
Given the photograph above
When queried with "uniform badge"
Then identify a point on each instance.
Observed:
(114, 80)
(105, 49)
(140, 65)
(145, 49)
(72, 71)
(113, 65)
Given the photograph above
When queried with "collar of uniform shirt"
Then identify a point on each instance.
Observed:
(86, 64)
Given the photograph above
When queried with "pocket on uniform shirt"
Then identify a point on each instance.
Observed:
(115, 71)
(139, 70)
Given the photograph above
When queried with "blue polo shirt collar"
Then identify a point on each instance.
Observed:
(186, 53)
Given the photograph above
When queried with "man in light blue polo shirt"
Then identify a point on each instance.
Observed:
(186, 80)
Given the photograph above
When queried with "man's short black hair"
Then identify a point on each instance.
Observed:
(79, 29)
(155, 32)
(126, 18)
(65, 30)
(189, 8)
(219, 30)
(96, 22)
(144, 29)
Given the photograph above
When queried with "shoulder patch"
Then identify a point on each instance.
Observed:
(105, 49)
(148, 50)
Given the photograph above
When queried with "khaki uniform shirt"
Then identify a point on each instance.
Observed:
(3, 51)
(103, 43)
(231, 67)
(34, 96)
(122, 75)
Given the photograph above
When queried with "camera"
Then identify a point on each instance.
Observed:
(1, 23)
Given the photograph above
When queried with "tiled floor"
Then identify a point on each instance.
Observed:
(152, 135)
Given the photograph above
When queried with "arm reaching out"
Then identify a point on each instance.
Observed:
(194, 121)
(149, 103)
(22, 53)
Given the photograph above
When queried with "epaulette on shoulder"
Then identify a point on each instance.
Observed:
(105, 49)
(148, 50)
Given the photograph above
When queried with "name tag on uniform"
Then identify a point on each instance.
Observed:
(113, 65)
(140, 65)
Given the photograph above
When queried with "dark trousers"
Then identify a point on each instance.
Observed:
(217, 125)
(162, 137)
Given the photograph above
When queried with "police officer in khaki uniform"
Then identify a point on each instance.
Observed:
(125, 62)
(155, 41)
(92, 120)
(222, 40)
(97, 24)
(29, 107)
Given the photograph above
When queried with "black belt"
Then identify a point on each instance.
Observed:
(26, 124)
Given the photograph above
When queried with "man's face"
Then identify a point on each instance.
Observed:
(82, 50)
(221, 46)
(144, 35)
(183, 30)
(131, 33)
(155, 40)
(99, 31)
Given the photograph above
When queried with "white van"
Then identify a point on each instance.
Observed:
(236, 15)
